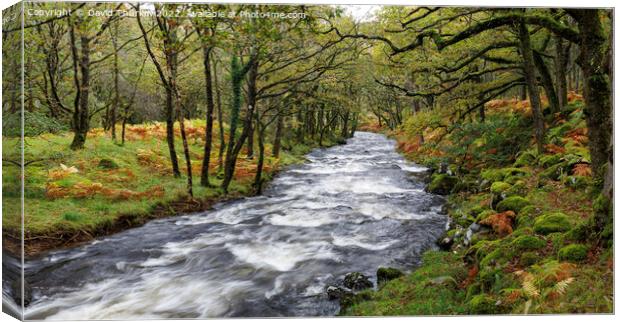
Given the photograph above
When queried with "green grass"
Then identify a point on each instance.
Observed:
(429, 290)
(49, 216)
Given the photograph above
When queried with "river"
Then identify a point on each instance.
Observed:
(351, 207)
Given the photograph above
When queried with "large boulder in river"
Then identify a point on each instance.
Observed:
(357, 281)
(386, 274)
(441, 184)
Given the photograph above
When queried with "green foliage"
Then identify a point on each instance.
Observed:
(525, 242)
(441, 183)
(514, 203)
(482, 304)
(35, 123)
(499, 187)
(426, 290)
(573, 253)
(551, 223)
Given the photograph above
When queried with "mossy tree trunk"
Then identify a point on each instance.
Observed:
(530, 79)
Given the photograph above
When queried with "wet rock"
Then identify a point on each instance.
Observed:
(386, 274)
(441, 184)
(357, 281)
(337, 292)
(17, 292)
(445, 243)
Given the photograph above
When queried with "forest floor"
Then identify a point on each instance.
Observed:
(75, 196)
(520, 236)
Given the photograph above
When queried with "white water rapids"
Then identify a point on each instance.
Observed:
(353, 207)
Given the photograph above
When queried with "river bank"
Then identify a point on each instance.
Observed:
(72, 197)
(347, 209)
(520, 238)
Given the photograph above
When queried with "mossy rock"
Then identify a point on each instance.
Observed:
(524, 231)
(385, 274)
(551, 223)
(492, 175)
(525, 158)
(577, 182)
(514, 203)
(548, 160)
(518, 189)
(528, 243)
(573, 253)
(581, 231)
(107, 164)
(527, 215)
(441, 184)
(553, 172)
(483, 215)
(482, 304)
(499, 187)
(466, 184)
(529, 259)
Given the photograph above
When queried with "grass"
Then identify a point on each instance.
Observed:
(69, 191)
(501, 279)
(430, 290)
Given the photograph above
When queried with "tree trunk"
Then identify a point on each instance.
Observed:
(277, 142)
(234, 148)
(547, 82)
(560, 63)
(81, 117)
(188, 160)
(530, 79)
(258, 180)
(117, 99)
(204, 176)
(220, 118)
(170, 132)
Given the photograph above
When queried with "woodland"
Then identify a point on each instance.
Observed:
(133, 117)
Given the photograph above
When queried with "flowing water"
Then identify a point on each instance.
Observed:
(353, 207)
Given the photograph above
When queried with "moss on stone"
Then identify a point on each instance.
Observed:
(499, 187)
(514, 203)
(525, 158)
(528, 243)
(441, 183)
(551, 223)
(529, 259)
(573, 253)
(546, 161)
(482, 304)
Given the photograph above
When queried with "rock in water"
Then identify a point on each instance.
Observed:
(357, 281)
(17, 292)
(337, 292)
(386, 274)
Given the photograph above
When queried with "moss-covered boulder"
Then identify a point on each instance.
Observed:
(548, 160)
(499, 187)
(573, 253)
(357, 281)
(553, 172)
(484, 215)
(518, 188)
(441, 184)
(529, 259)
(551, 223)
(385, 274)
(528, 215)
(525, 158)
(526, 242)
(482, 304)
(577, 182)
(514, 203)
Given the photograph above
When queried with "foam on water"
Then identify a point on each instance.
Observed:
(353, 207)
